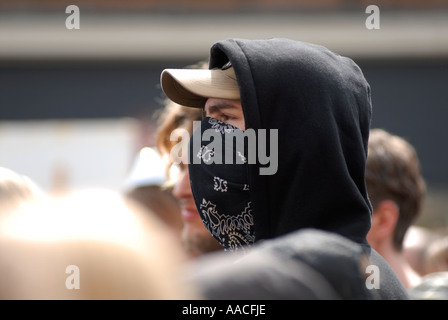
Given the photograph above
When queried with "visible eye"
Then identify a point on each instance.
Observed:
(227, 111)
(225, 117)
(218, 115)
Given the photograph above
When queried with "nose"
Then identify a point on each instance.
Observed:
(182, 189)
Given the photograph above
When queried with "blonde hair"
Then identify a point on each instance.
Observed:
(175, 116)
(16, 189)
(120, 251)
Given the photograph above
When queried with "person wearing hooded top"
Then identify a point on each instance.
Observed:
(300, 218)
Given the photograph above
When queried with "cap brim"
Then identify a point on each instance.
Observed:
(192, 87)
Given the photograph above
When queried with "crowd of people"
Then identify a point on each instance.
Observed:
(336, 220)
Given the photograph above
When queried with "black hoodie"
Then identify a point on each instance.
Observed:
(320, 104)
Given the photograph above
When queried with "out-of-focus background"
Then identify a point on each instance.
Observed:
(77, 105)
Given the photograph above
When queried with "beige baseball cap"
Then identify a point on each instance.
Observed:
(192, 87)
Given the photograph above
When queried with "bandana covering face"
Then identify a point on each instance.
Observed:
(220, 190)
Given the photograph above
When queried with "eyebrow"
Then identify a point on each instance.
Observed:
(219, 106)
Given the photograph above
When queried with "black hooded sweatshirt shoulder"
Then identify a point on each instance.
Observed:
(307, 264)
(320, 104)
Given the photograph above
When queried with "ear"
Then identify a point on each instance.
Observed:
(385, 218)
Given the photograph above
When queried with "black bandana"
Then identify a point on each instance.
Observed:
(220, 185)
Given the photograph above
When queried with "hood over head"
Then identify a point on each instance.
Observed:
(320, 104)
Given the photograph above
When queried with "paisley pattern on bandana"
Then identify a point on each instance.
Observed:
(220, 184)
(232, 231)
(220, 126)
(205, 154)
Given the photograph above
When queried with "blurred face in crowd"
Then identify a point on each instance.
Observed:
(196, 238)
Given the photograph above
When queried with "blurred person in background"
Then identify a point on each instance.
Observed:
(434, 270)
(436, 257)
(17, 189)
(433, 286)
(415, 247)
(396, 190)
(146, 184)
(196, 239)
(89, 245)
